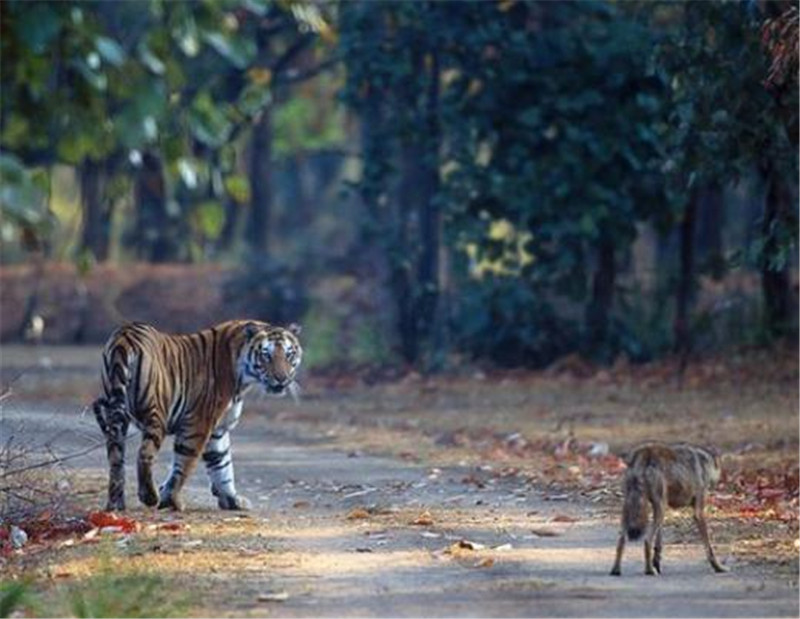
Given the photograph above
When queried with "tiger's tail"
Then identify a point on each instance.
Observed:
(116, 378)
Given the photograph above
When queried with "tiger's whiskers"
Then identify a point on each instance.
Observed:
(294, 391)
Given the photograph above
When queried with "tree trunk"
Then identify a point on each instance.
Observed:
(429, 209)
(710, 225)
(228, 233)
(775, 281)
(157, 234)
(598, 312)
(97, 209)
(259, 220)
(686, 282)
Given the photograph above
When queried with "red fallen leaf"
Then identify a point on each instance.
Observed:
(749, 510)
(3, 533)
(110, 519)
(171, 526)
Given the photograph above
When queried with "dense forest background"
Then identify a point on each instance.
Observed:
(418, 182)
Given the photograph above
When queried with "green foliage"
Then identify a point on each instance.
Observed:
(114, 594)
(301, 124)
(108, 82)
(724, 121)
(565, 142)
(13, 596)
(24, 216)
(511, 325)
(573, 123)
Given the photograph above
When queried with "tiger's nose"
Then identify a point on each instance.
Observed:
(282, 381)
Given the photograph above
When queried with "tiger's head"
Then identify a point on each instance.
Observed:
(271, 357)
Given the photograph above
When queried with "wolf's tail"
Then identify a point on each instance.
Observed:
(634, 511)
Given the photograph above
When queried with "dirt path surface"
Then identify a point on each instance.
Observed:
(338, 532)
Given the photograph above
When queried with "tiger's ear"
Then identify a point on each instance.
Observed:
(295, 328)
(250, 329)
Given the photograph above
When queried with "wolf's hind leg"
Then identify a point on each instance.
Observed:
(658, 499)
(700, 520)
(616, 570)
(657, 550)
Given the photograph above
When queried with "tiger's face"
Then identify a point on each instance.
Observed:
(273, 356)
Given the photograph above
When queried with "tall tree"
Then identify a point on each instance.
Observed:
(391, 52)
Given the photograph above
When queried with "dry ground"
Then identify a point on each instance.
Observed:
(472, 494)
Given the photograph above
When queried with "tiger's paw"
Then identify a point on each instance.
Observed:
(170, 501)
(148, 495)
(115, 505)
(237, 502)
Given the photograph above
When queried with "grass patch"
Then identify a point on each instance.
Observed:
(112, 592)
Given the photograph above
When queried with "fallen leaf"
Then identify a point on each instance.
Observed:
(109, 522)
(545, 532)
(359, 513)
(273, 596)
(563, 518)
(45, 516)
(424, 519)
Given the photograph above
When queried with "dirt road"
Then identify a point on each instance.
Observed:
(338, 532)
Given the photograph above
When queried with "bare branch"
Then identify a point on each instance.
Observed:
(53, 460)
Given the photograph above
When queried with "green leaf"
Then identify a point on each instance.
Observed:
(236, 50)
(210, 217)
(38, 26)
(238, 188)
(21, 196)
(254, 98)
(111, 51)
(150, 60)
(208, 123)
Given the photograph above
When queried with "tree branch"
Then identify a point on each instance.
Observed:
(298, 46)
(308, 73)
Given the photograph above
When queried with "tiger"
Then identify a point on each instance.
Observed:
(190, 386)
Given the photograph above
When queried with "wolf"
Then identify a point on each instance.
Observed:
(665, 474)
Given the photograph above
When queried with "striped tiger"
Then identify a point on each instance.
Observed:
(190, 386)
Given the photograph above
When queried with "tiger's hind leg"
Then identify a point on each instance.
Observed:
(153, 431)
(113, 421)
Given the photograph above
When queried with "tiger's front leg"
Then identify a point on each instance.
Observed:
(188, 448)
(219, 465)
